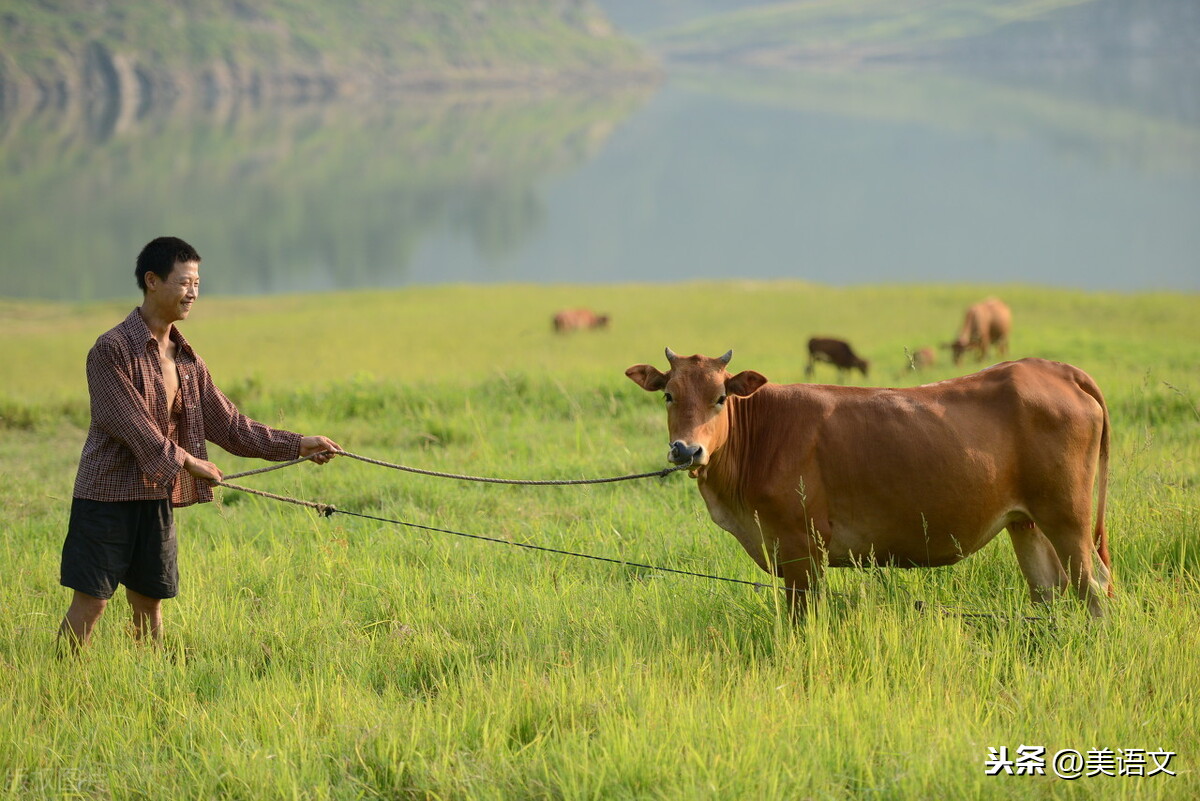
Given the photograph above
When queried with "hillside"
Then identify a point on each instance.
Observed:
(63, 50)
(1094, 75)
(853, 31)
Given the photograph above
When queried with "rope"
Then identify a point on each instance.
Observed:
(666, 471)
(328, 510)
(269, 468)
(325, 509)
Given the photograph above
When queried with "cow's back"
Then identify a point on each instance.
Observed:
(835, 351)
(999, 319)
(576, 319)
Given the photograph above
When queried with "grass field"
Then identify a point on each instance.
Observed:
(314, 658)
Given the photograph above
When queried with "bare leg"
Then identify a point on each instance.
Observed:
(147, 616)
(81, 618)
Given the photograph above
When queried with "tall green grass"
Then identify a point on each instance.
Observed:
(346, 658)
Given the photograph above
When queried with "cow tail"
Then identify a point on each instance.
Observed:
(1101, 536)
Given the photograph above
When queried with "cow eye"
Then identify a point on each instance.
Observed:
(667, 397)
(721, 399)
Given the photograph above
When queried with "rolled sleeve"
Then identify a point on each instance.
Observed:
(237, 433)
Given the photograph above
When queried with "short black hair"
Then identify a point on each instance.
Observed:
(160, 257)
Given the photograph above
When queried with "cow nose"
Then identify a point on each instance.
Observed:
(684, 454)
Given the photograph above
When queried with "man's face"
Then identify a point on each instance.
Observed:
(173, 296)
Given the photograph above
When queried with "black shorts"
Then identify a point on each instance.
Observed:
(121, 542)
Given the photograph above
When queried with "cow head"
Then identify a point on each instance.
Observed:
(696, 389)
(957, 348)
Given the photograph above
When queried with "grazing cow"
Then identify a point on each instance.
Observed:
(805, 475)
(985, 323)
(836, 352)
(573, 319)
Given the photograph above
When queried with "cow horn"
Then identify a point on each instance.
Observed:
(725, 359)
(671, 355)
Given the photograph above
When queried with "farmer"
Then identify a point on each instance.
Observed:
(153, 406)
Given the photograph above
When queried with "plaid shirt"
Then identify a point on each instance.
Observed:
(128, 454)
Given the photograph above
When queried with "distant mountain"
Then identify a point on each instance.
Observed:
(640, 18)
(61, 50)
(851, 31)
(1143, 55)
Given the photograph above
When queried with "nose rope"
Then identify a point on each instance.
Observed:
(666, 471)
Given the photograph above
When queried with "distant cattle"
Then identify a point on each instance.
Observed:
(574, 319)
(836, 352)
(807, 475)
(922, 358)
(988, 322)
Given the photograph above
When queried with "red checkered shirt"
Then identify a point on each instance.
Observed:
(128, 454)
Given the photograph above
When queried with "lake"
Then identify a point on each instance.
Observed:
(838, 176)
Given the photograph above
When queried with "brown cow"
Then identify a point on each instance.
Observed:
(836, 352)
(805, 475)
(573, 319)
(985, 323)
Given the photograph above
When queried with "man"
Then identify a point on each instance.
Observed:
(153, 406)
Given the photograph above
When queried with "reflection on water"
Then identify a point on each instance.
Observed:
(282, 198)
(983, 105)
(840, 177)
(878, 175)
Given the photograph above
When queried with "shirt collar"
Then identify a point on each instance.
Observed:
(138, 332)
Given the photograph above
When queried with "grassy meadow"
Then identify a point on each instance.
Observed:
(343, 658)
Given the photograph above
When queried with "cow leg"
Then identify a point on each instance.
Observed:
(800, 568)
(800, 586)
(1039, 562)
(808, 371)
(1073, 543)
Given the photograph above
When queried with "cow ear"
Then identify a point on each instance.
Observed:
(647, 377)
(745, 383)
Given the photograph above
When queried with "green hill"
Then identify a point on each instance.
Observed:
(67, 49)
(804, 32)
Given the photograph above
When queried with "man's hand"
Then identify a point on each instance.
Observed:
(318, 445)
(201, 469)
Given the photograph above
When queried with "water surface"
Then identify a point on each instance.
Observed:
(835, 176)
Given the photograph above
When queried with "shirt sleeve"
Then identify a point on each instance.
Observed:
(237, 433)
(119, 410)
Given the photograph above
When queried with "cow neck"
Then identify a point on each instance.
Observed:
(727, 465)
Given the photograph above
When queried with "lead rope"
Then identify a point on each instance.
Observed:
(328, 510)
(666, 471)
